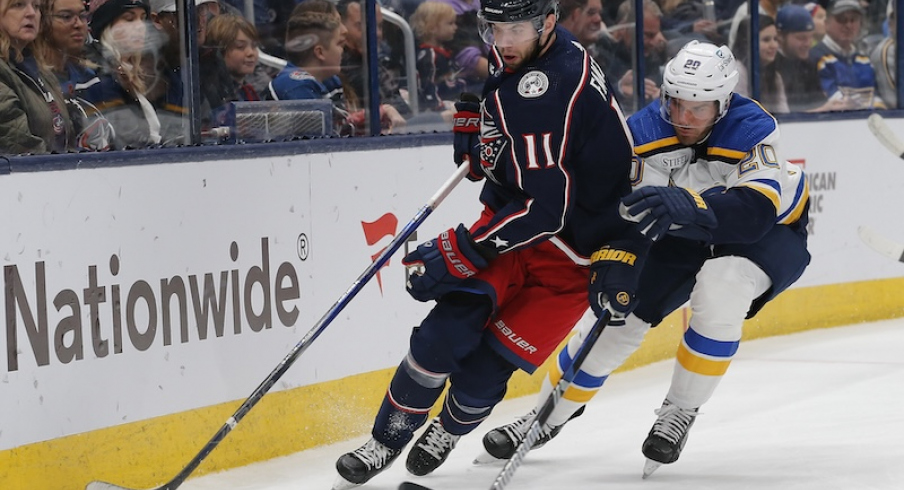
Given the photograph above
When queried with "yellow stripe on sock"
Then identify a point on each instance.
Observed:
(575, 394)
(699, 365)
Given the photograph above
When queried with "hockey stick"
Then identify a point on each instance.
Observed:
(885, 135)
(881, 244)
(305, 342)
(508, 471)
(533, 433)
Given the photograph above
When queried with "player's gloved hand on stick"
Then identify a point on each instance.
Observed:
(440, 265)
(614, 274)
(466, 131)
(660, 209)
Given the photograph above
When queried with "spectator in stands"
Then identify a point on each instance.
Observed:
(583, 19)
(845, 73)
(393, 106)
(163, 63)
(772, 87)
(61, 42)
(33, 115)
(469, 51)
(438, 76)
(120, 28)
(795, 39)
(228, 56)
(617, 62)
(764, 7)
(683, 18)
(334, 83)
(63, 34)
(818, 14)
(314, 45)
(883, 60)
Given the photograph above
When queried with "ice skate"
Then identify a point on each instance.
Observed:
(502, 442)
(431, 449)
(666, 439)
(362, 464)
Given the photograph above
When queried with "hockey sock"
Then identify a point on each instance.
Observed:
(701, 364)
(461, 414)
(407, 403)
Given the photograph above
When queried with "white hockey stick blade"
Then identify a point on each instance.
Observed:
(881, 244)
(884, 134)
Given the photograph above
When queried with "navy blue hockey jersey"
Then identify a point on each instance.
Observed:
(557, 154)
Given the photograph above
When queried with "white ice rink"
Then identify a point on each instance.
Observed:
(817, 410)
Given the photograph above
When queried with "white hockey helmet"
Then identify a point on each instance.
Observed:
(700, 72)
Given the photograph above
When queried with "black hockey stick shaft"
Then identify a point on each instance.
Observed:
(508, 471)
(309, 338)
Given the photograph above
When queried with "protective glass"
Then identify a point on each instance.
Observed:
(505, 34)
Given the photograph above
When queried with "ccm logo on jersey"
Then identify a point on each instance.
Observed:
(613, 255)
(464, 268)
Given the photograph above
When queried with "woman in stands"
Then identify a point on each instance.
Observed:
(119, 28)
(772, 88)
(33, 117)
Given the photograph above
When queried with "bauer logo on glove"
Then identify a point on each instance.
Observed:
(437, 266)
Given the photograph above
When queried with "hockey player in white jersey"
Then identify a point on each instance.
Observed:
(729, 218)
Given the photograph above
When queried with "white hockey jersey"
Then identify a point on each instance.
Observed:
(740, 152)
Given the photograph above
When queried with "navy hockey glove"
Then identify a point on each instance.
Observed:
(440, 265)
(466, 130)
(660, 209)
(614, 274)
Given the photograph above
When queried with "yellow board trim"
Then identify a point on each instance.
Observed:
(150, 452)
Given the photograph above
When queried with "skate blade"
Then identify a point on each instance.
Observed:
(487, 458)
(649, 467)
(343, 484)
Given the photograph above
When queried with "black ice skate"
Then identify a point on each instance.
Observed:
(431, 449)
(502, 442)
(666, 439)
(362, 464)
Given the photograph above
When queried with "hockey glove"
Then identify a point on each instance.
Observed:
(614, 274)
(438, 266)
(466, 130)
(660, 209)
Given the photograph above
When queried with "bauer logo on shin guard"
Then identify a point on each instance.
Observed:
(613, 255)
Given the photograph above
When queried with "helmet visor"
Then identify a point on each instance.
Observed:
(506, 34)
(689, 114)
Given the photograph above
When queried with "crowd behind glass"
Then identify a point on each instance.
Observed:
(108, 74)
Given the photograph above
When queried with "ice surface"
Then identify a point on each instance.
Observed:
(817, 410)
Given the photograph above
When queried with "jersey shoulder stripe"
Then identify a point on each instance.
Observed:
(746, 125)
(652, 134)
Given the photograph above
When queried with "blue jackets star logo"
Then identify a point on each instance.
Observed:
(499, 242)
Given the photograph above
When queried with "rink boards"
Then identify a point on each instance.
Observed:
(144, 303)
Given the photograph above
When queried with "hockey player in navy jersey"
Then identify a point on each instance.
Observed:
(554, 152)
(729, 216)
